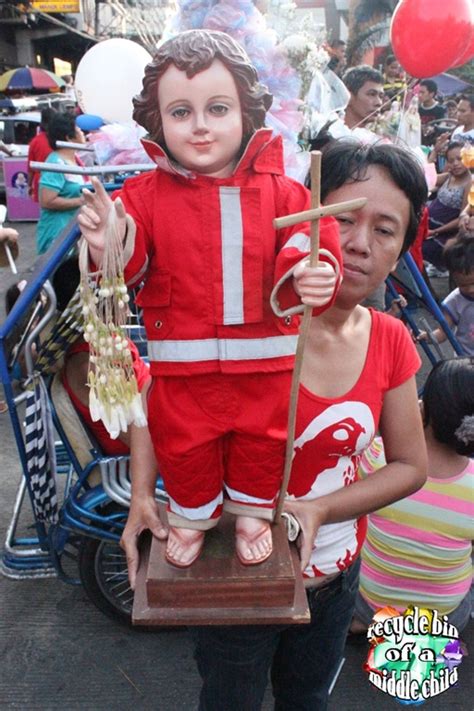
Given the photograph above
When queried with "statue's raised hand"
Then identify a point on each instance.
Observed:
(96, 215)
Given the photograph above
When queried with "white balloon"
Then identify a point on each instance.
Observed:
(108, 76)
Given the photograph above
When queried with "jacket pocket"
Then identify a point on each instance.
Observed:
(155, 300)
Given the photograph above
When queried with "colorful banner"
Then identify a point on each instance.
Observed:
(20, 207)
(62, 6)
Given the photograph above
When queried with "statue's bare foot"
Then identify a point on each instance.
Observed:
(253, 540)
(183, 546)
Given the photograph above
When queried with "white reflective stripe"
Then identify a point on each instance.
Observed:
(222, 349)
(239, 496)
(232, 251)
(300, 241)
(199, 512)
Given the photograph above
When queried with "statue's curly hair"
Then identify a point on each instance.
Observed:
(192, 52)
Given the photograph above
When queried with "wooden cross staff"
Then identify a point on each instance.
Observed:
(313, 215)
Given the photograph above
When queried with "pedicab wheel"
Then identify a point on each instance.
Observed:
(103, 573)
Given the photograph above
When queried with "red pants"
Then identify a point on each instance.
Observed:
(216, 433)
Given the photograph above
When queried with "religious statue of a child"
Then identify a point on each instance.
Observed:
(221, 290)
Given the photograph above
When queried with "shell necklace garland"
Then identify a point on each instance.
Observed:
(113, 390)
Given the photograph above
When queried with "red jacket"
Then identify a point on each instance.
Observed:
(211, 257)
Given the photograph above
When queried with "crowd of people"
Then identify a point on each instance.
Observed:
(358, 487)
(446, 134)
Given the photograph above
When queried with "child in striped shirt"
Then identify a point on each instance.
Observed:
(418, 550)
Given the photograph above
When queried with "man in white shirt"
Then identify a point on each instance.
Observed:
(465, 116)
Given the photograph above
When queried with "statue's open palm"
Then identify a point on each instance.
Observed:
(96, 213)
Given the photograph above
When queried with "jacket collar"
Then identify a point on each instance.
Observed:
(263, 153)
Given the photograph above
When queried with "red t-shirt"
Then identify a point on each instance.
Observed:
(331, 435)
(38, 150)
(109, 446)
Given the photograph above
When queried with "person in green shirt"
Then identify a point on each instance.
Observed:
(60, 194)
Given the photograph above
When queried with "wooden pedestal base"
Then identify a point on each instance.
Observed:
(217, 589)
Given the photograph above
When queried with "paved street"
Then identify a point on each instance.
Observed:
(58, 651)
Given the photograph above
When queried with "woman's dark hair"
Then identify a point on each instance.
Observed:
(46, 116)
(347, 161)
(193, 52)
(448, 403)
(458, 255)
(454, 144)
(61, 127)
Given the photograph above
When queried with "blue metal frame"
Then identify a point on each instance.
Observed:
(425, 295)
(78, 513)
(408, 318)
(45, 266)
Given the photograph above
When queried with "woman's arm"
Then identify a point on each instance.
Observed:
(51, 200)
(465, 195)
(143, 514)
(8, 234)
(4, 149)
(402, 432)
(453, 224)
(440, 146)
(466, 219)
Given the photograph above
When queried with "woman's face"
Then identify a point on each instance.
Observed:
(372, 237)
(79, 135)
(454, 164)
(393, 70)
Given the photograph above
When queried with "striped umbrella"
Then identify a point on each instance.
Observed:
(29, 79)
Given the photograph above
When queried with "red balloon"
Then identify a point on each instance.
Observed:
(468, 53)
(428, 36)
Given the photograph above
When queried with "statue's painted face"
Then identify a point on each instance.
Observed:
(202, 119)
